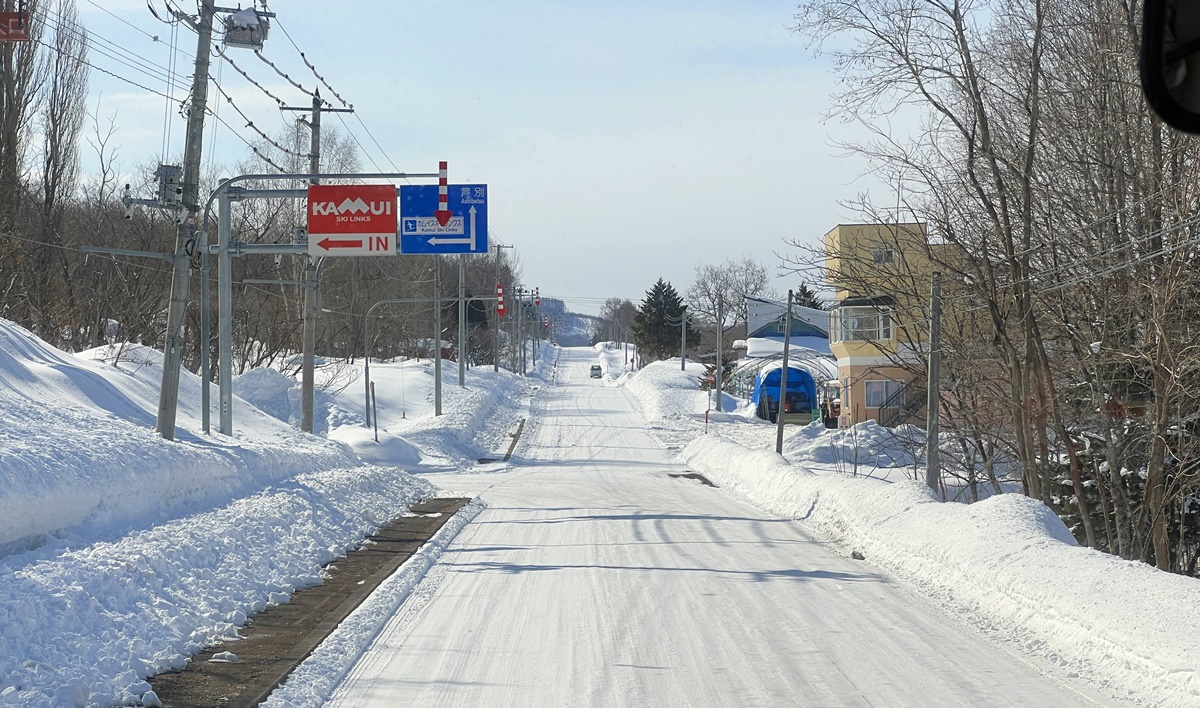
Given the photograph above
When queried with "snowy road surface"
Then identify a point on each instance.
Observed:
(595, 578)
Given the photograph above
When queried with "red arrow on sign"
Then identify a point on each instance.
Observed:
(329, 244)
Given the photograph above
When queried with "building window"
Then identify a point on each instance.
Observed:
(883, 255)
(862, 324)
(881, 393)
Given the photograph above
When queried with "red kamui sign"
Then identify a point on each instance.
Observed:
(352, 220)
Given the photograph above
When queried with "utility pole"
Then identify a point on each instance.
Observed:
(537, 320)
(720, 346)
(683, 339)
(521, 329)
(168, 394)
(933, 462)
(784, 375)
(312, 272)
(496, 338)
(311, 268)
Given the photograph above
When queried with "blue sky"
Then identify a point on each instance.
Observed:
(621, 141)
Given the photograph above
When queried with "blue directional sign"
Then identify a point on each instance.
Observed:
(465, 231)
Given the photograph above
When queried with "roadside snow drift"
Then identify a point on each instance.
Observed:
(121, 554)
(1007, 565)
(78, 445)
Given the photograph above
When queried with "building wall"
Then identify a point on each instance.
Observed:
(867, 261)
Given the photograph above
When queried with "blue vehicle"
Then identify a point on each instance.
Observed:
(800, 403)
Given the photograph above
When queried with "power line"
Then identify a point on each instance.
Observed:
(261, 155)
(247, 76)
(360, 145)
(106, 71)
(372, 136)
(208, 111)
(114, 50)
(310, 66)
(279, 71)
(250, 124)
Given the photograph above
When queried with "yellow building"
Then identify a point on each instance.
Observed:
(881, 276)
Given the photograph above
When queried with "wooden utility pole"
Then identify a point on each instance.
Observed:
(933, 462)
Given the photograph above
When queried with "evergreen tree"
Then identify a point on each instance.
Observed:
(653, 332)
(805, 297)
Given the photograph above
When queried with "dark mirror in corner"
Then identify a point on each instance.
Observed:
(1171, 61)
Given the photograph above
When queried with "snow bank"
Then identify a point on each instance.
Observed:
(473, 423)
(665, 391)
(87, 625)
(866, 444)
(1007, 565)
(79, 453)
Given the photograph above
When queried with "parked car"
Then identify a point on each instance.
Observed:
(596, 372)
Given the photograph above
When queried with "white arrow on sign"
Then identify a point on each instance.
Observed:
(438, 241)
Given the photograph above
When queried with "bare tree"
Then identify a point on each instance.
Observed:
(730, 282)
(1061, 206)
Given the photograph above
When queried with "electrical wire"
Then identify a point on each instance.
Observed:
(166, 146)
(312, 68)
(250, 124)
(359, 144)
(279, 71)
(372, 136)
(110, 49)
(249, 78)
(106, 71)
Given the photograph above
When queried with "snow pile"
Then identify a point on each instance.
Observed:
(92, 623)
(1007, 565)
(665, 391)
(474, 418)
(867, 444)
(79, 452)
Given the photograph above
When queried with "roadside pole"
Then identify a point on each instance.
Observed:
(521, 330)
(496, 332)
(311, 275)
(224, 315)
(933, 462)
(312, 270)
(784, 375)
(462, 321)
(683, 339)
(168, 395)
(720, 348)
(437, 334)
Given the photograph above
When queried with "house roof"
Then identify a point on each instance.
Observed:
(761, 313)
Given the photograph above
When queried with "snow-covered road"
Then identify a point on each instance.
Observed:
(596, 578)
